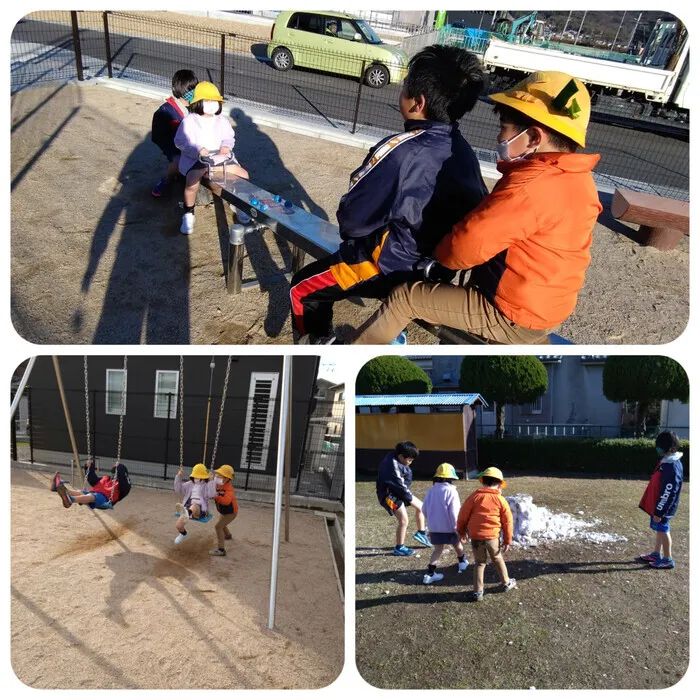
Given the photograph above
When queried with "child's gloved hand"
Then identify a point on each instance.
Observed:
(224, 151)
(505, 548)
(180, 472)
(203, 152)
(435, 272)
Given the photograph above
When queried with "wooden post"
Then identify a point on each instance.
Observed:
(223, 64)
(76, 456)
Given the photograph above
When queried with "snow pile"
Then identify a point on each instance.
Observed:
(533, 524)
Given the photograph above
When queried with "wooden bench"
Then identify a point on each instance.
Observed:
(305, 232)
(663, 221)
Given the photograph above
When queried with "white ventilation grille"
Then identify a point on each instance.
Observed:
(258, 422)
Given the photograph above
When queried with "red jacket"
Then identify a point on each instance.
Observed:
(104, 486)
(527, 243)
(225, 499)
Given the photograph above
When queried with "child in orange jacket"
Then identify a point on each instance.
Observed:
(517, 262)
(483, 515)
(227, 506)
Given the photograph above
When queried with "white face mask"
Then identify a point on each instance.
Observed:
(210, 107)
(503, 148)
(219, 481)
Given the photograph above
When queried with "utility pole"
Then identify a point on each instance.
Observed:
(618, 30)
(578, 34)
(634, 31)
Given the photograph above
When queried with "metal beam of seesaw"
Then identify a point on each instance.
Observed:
(306, 231)
(281, 442)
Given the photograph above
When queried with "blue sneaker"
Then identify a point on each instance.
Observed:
(401, 550)
(160, 187)
(423, 539)
(663, 563)
(652, 556)
(401, 339)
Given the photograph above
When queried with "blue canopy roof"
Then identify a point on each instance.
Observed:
(421, 400)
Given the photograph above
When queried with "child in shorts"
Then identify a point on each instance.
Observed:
(483, 516)
(441, 508)
(394, 494)
(661, 498)
(196, 492)
(166, 121)
(202, 131)
(106, 491)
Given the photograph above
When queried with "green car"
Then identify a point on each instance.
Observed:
(336, 43)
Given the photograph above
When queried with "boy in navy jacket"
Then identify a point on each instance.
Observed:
(166, 120)
(661, 498)
(408, 193)
(394, 494)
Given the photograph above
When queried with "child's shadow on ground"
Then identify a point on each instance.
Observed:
(259, 155)
(520, 570)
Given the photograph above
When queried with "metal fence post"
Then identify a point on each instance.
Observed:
(357, 101)
(76, 44)
(31, 426)
(13, 438)
(108, 48)
(223, 64)
(167, 439)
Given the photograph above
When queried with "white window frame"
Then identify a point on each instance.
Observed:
(255, 377)
(157, 394)
(109, 391)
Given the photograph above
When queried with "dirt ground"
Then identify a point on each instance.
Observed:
(95, 259)
(583, 616)
(105, 599)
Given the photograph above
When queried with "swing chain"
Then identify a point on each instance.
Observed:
(121, 413)
(182, 407)
(87, 408)
(221, 414)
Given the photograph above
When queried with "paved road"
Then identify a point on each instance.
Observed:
(626, 153)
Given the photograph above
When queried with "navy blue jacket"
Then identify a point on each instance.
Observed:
(405, 197)
(166, 120)
(670, 488)
(394, 478)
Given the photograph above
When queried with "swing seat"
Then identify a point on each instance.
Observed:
(203, 519)
(106, 506)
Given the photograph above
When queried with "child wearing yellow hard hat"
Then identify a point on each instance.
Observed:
(225, 500)
(441, 507)
(527, 245)
(205, 129)
(196, 492)
(483, 516)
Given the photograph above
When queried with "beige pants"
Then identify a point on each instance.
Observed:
(463, 308)
(483, 549)
(221, 527)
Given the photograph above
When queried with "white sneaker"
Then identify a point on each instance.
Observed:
(435, 577)
(510, 585)
(180, 538)
(187, 225)
(462, 566)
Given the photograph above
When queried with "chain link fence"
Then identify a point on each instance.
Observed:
(66, 45)
(150, 449)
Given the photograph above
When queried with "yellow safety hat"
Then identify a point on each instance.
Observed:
(446, 471)
(199, 471)
(494, 473)
(225, 470)
(207, 91)
(553, 99)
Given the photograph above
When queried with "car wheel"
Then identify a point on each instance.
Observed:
(377, 76)
(282, 58)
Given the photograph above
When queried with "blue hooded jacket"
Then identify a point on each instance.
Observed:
(409, 192)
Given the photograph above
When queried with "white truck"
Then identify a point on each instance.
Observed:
(656, 89)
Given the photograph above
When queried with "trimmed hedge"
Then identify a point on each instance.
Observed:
(586, 456)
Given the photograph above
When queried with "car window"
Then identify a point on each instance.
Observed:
(368, 33)
(307, 23)
(340, 28)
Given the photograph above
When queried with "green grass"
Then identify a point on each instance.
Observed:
(583, 615)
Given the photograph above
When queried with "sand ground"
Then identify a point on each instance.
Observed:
(105, 599)
(95, 259)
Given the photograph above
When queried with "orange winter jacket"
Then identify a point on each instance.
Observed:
(528, 242)
(484, 514)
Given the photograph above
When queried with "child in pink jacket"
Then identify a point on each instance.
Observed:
(441, 507)
(202, 131)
